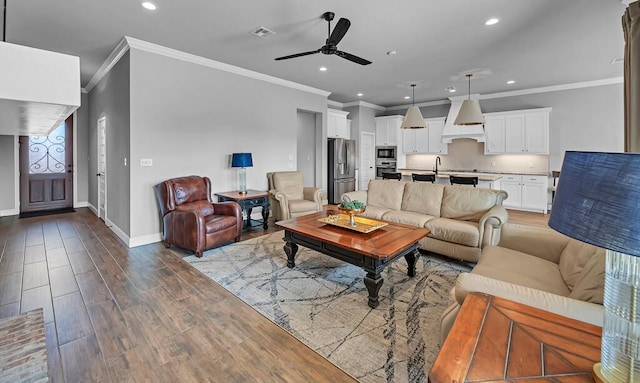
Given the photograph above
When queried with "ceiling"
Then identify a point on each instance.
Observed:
(537, 43)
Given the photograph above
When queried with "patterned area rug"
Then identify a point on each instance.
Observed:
(323, 303)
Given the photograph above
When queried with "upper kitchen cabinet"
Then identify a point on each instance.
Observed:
(388, 130)
(428, 141)
(517, 132)
(337, 124)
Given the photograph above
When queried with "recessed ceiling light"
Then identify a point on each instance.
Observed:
(323, 69)
(450, 89)
(391, 53)
(492, 21)
(511, 82)
(407, 97)
(359, 95)
(149, 5)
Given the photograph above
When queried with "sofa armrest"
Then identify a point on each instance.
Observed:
(313, 194)
(187, 221)
(490, 225)
(228, 208)
(358, 195)
(540, 242)
(584, 311)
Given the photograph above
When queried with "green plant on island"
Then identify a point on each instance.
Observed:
(352, 205)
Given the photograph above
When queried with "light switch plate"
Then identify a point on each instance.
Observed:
(146, 162)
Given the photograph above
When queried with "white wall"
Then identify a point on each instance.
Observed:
(189, 118)
(306, 147)
(8, 171)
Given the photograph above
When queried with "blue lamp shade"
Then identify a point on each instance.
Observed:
(598, 200)
(241, 160)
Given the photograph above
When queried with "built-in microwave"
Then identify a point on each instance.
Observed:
(386, 152)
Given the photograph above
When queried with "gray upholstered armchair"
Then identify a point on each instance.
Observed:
(290, 198)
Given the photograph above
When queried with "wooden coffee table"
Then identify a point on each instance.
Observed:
(498, 340)
(371, 251)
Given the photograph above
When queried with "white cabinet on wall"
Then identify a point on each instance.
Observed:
(337, 124)
(388, 130)
(427, 140)
(517, 132)
(526, 192)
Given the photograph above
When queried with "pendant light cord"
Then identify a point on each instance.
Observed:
(413, 91)
(469, 77)
(4, 23)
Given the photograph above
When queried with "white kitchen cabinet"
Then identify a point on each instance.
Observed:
(525, 192)
(435, 127)
(426, 141)
(517, 132)
(337, 124)
(388, 130)
(415, 141)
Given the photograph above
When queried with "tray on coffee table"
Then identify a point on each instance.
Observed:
(363, 225)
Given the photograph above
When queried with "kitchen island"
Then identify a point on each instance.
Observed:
(485, 180)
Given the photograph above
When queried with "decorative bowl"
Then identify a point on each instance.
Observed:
(352, 213)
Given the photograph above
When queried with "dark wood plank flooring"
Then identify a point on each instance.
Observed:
(115, 314)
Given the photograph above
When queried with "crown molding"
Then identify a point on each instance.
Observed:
(554, 88)
(364, 104)
(429, 103)
(129, 42)
(194, 59)
(115, 56)
(335, 104)
(627, 2)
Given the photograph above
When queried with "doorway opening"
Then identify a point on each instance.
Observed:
(46, 172)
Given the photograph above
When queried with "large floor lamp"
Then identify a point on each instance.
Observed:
(598, 202)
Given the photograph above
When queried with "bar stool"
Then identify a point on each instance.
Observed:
(423, 177)
(456, 180)
(392, 176)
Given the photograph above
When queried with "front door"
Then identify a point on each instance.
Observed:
(46, 170)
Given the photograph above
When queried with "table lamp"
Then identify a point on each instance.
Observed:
(242, 161)
(598, 202)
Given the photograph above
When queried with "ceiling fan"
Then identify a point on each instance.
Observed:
(331, 46)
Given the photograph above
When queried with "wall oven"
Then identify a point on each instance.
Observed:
(385, 167)
(386, 153)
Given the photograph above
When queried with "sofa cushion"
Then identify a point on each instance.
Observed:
(521, 269)
(462, 232)
(424, 198)
(574, 258)
(216, 223)
(289, 183)
(467, 203)
(302, 205)
(407, 217)
(385, 193)
(374, 212)
(590, 284)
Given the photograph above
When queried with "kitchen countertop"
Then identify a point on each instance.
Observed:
(467, 172)
(446, 174)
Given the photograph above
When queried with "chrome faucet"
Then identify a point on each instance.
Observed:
(438, 160)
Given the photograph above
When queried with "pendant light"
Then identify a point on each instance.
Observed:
(470, 113)
(413, 119)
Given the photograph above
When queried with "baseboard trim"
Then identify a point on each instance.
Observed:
(8, 212)
(93, 209)
(145, 239)
(82, 204)
(118, 231)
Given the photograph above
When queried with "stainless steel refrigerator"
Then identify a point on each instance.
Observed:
(342, 168)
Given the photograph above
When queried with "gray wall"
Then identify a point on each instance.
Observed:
(110, 98)
(7, 172)
(306, 147)
(82, 150)
(189, 118)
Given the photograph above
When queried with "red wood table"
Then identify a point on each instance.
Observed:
(497, 340)
(253, 198)
(372, 251)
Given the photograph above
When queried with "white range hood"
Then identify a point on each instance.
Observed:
(38, 89)
(450, 132)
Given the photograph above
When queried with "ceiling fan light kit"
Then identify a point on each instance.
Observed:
(470, 113)
(331, 45)
(413, 119)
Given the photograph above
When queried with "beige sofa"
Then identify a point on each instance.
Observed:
(461, 219)
(537, 267)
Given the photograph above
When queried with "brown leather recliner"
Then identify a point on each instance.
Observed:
(191, 220)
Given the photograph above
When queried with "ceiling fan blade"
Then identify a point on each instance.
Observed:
(350, 57)
(339, 31)
(298, 55)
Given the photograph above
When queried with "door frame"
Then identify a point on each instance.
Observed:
(103, 118)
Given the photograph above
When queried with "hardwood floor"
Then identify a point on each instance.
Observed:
(116, 314)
